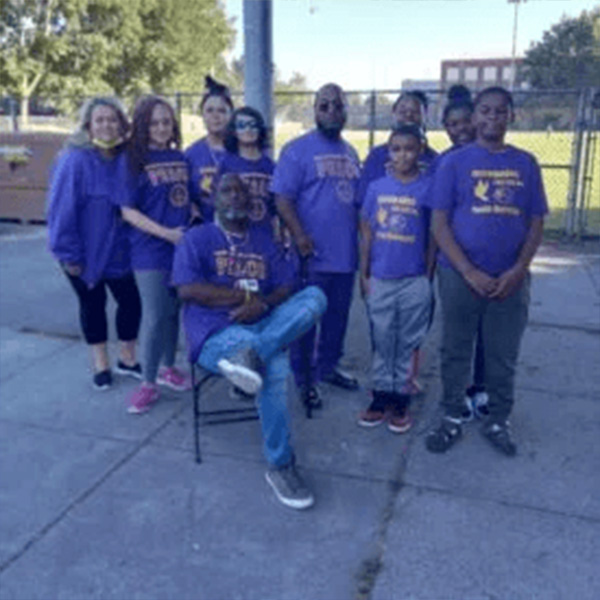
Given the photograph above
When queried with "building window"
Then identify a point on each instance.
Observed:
(506, 73)
(471, 73)
(452, 74)
(490, 73)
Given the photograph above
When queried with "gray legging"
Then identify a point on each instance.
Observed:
(160, 321)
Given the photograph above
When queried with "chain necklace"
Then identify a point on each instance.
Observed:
(230, 237)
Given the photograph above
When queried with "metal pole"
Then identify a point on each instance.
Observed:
(372, 118)
(571, 212)
(513, 60)
(258, 54)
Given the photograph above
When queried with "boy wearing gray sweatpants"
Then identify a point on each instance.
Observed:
(394, 277)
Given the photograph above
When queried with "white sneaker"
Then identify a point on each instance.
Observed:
(240, 371)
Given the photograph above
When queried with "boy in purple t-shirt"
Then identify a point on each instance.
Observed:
(393, 275)
(239, 317)
(489, 206)
(315, 185)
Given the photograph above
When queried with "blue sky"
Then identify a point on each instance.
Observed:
(377, 43)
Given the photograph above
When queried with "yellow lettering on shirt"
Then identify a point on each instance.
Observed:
(395, 237)
(497, 209)
(240, 265)
(336, 165)
(402, 200)
(168, 172)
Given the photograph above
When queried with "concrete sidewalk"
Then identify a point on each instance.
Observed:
(99, 504)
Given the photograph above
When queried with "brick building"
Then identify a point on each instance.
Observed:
(479, 73)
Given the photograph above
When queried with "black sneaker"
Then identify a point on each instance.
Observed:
(103, 380)
(445, 436)
(134, 371)
(310, 396)
(341, 379)
(289, 487)
(243, 370)
(499, 436)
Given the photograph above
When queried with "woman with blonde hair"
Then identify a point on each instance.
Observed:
(88, 237)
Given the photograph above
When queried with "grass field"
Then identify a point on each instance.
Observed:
(553, 152)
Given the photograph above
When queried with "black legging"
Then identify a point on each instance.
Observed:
(92, 308)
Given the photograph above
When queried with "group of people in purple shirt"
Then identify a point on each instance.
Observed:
(262, 256)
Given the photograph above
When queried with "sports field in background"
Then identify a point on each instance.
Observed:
(549, 149)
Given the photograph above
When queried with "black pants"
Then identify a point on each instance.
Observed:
(92, 308)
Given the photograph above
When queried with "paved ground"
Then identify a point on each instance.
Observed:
(99, 504)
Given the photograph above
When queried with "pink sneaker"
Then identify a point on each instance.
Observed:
(142, 399)
(175, 379)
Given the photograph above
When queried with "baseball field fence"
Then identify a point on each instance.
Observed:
(560, 128)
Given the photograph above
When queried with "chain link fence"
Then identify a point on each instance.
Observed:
(560, 128)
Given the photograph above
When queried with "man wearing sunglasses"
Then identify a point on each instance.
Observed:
(315, 185)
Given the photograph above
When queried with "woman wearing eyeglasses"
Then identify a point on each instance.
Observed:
(246, 143)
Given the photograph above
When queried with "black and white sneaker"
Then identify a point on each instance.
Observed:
(243, 371)
(310, 396)
(499, 436)
(134, 371)
(289, 487)
(341, 379)
(103, 380)
(445, 436)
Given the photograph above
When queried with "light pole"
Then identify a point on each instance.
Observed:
(513, 63)
(258, 53)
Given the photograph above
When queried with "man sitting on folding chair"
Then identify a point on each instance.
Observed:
(240, 316)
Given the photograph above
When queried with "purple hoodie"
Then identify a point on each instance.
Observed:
(84, 223)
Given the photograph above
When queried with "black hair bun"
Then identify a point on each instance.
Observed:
(420, 96)
(214, 87)
(459, 93)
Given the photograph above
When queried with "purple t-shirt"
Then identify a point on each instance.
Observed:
(161, 192)
(490, 198)
(320, 177)
(204, 163)
(84, 224)
(257, 175)
(398, 214)
(378, 165)
(206, 254)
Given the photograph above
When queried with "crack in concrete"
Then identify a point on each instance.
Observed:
(371, 566)
(83, 496)
(565, 327)
(55, 335)
(505, 503)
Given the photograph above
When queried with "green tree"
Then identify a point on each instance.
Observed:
(84, 47)
(568, 56)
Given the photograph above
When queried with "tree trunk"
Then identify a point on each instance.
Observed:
(24, 112)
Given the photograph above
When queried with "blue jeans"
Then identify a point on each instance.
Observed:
(269, 338)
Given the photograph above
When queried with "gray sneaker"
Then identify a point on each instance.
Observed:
(243, 371)
(289, 487)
